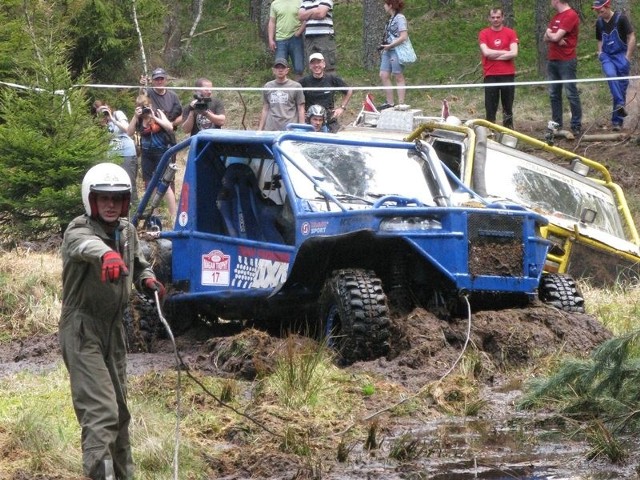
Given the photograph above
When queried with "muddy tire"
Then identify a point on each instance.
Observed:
(562, 292)
(141, 323)
(354, 315)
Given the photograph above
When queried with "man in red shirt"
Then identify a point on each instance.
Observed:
(499, 47)
(562, 38)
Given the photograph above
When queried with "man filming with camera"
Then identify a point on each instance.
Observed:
(204, 111)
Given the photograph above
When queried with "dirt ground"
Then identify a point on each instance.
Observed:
(423, 349)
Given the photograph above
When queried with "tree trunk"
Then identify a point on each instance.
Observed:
(374, 21)
(259, 13)
(541, 20)
(172, 34)
(509, 16)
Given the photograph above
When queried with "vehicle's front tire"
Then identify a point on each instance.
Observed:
(354, 315)
(562, 292)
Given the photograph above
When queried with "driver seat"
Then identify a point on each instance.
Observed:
(243, 212)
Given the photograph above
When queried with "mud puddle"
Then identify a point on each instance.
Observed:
(524, 446)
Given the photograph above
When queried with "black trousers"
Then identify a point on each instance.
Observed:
(493, 96)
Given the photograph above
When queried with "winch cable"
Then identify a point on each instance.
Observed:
(180, 366)
(178, 384)
(424, 387)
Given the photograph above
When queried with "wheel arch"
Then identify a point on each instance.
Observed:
(319, 256)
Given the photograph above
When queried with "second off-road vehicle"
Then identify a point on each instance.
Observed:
(591, 230)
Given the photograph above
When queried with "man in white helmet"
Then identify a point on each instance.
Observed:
(317, 118)
(101, 259)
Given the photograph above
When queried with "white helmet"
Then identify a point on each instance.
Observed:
(106, 178)
(317, 111)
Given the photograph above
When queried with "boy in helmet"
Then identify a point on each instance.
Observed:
(101, 259)
(317, 118)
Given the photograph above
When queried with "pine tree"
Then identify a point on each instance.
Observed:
(48, 138)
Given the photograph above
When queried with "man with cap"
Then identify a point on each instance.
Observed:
(319, 35)
(616, 41)
(285, 32)
(282, 100)
(319, 79)
(163, 99)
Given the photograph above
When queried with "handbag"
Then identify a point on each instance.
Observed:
(405, 52)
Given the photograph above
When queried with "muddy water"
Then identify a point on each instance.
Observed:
(524, 445)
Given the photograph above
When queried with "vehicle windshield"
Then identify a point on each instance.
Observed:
(559, 193)
(357, 175)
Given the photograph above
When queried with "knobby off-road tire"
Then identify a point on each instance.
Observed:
(354, 315)
(141, 323)
(562, 292)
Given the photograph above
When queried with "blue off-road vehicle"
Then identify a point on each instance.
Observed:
(336, 233)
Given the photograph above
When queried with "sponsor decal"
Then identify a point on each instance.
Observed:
(258, 268)
(183, 218)
(215, 268)
(314, 228)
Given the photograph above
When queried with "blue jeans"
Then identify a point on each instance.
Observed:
(292, 48)
(564, 70)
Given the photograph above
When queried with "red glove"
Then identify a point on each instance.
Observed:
(113, 267)
(153, 285)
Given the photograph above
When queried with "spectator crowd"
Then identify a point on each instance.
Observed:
(302, 38)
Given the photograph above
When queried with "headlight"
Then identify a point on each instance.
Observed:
(403, 224)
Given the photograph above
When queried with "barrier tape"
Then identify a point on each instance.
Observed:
(354, 88)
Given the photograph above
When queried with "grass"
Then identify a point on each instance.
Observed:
(30, 293)
(618, 307)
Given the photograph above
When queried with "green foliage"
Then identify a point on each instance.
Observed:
(604, 387)
(13, 37)
(368, 389)
(103, 36)
(47, 141)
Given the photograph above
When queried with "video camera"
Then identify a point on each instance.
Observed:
(202, 103)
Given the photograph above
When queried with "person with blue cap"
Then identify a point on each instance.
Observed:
(616, 41)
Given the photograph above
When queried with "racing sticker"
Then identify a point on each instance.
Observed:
(314, 228)
(257, 268)
(215, 268)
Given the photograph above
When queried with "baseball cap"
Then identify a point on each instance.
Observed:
(158, 73)
(598, 4)
(316, 56)
(281, 61)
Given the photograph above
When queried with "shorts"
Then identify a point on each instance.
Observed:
(149, 162)
(389, 62)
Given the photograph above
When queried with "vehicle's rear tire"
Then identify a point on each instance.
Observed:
(354, 315)
(141, 323)
(562, 292)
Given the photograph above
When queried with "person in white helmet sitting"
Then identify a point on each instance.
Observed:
(317, 118)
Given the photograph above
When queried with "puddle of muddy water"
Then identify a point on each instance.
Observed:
(527, 446)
